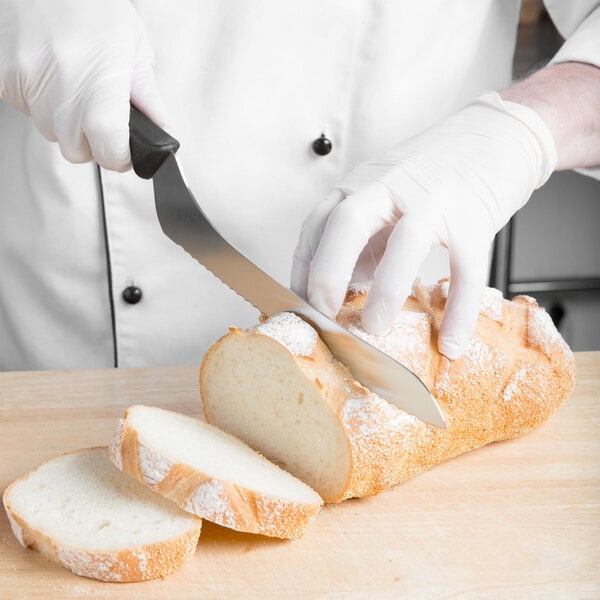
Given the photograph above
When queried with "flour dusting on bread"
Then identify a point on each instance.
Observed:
(291, 332)
(154, 466)
(543, 334)
(209, 499)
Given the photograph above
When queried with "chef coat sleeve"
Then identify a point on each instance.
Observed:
(578, 21)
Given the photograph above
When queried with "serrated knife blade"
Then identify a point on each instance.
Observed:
(183, 220)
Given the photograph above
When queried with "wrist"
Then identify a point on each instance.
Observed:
(533, 127)
(566, 97)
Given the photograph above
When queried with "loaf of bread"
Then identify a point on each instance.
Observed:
(82, 512)
(277, 387)
(211, 474)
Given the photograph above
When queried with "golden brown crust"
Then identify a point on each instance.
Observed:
(222, 502)
(142, 563)
(515, 374)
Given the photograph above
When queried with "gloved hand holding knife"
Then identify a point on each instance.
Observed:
(74, 67)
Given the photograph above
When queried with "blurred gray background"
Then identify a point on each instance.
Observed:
(551, 249)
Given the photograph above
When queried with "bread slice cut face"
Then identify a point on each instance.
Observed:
(82, 512)
(211, 473)
(266, 386)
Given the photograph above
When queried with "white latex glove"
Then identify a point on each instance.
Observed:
(73, 65)
(456, 185)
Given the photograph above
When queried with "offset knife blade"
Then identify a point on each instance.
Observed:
(183, 220)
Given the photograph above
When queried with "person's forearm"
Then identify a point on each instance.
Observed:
(567, 98)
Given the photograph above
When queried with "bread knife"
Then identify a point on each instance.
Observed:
(183, 220)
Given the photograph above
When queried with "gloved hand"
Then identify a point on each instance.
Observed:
(456, 185)
(73, 66)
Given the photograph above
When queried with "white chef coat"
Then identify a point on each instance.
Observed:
(249, 84)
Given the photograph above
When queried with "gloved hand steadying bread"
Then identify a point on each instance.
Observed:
(455, 185)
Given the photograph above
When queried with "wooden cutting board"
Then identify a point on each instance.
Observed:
(517, 519)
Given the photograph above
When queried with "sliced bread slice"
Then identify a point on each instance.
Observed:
(211, 474)
(82, 512)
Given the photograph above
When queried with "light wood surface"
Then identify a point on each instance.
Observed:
(517, 519)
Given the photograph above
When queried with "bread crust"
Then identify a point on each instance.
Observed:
(141, 563)
(515, 374)
(223, 502)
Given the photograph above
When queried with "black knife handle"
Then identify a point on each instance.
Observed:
(149, 144)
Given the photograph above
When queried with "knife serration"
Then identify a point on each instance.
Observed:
(183, 220)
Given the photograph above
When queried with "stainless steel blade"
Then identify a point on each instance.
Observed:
(183, 220)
